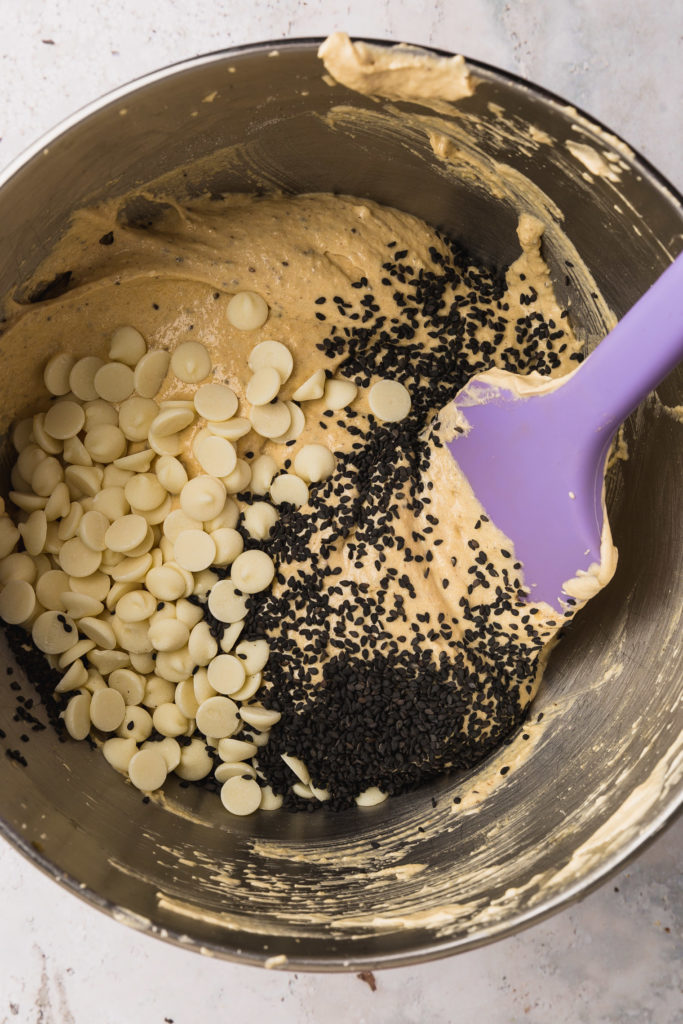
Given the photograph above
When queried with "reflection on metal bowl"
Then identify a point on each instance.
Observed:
(467, 858)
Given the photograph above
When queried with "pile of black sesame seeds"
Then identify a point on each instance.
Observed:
(363, 705)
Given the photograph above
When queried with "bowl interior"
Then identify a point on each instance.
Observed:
(599, 771)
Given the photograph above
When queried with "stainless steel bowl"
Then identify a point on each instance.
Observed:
(601, 772)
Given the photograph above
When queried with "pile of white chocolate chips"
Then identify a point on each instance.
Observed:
(127, 508)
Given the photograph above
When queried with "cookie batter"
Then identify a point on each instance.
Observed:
(401, 644)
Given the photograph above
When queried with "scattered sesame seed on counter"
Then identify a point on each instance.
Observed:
(233, 531)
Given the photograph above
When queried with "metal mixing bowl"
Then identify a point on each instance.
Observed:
(602, 770)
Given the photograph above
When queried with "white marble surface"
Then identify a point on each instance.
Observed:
(616, 956)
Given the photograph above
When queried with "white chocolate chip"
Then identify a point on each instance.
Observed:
(226, 674)
(111, 501)
(201, 644)
(119, 752)
(159, 691)
(17, 601)
(254, 654)
(215, 402)
(370, 796)
(290, 489)
(77, 716)
(217, 717)
(92, 530)
(225, 604)
(98, 412)
(96, 585)
(168, 634)
(75, 677)
(150, 372)
(49, 444)
(271, 420)
(339, 393)
(231, 430)
(138, 462)
(54, 632)
(169, 749)
(172, 421)
(9, 536)
(56, 373)
(273, 354)
(195, 762)
(147, 770)
(77, 559)
(169, 445)
(258, 717)
(64, 419)
(298, 767)
(48, 474)
(130, 684)
(165, 583)
(136, 416)
(232, 750)
(389, 401)
(259, 519)
(296, 426)
(82, 378)
(18, 566)
(202, 498)
(127, 345)
(230, 635)
(191, 362)
(127, 533)
(22, 430)
(83, 481)
(171, 474)
(215, 455)
(241, 795)
(107, 710)
(136, 606)
(34, 532)
(186, 700)
(144, 492)
(105, 442)
(263, 469)
(99, 631)
(72, 654)
(188, 612)
(263, 386)
(80, 605)
(231, 769)
(269, 801)
(314, 462)
(141, 722)
(251, 686)
(228, 516)
(247, 311)
(252, 571)
(176, 522)
(75, 452)
(312, 388)
(114, 382)
(194, 550)
(239, 479)
(228, 545)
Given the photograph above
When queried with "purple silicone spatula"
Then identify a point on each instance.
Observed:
(536, 463)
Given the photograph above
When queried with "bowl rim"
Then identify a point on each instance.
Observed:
(436, 949)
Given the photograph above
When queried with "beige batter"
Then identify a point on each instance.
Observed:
(172, 276)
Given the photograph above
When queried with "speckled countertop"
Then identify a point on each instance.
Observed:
(614, 957)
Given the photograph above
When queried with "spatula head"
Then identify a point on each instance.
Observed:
(536, 474)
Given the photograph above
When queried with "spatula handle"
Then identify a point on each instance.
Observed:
(634, 358)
